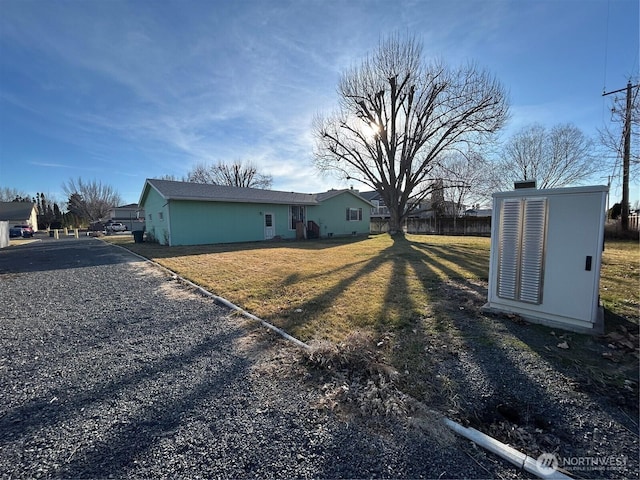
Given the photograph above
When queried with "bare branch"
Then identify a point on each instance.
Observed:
(91, 201)
(398, 116)
(236, 174)
(559, 157)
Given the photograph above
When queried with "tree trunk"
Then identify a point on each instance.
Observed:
(395, 221)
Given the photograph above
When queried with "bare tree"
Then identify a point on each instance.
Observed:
(92, 200)
(9, 194)
(554, 158)
(466, 179)
(398, 117)
(236, 174)
(172, 178)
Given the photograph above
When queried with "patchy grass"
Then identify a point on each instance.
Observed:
(15, 242)
(325, 289)
(620, 278)
(417, 299)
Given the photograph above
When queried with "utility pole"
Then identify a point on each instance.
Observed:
(626, 132)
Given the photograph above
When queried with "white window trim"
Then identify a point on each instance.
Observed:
(358, 214)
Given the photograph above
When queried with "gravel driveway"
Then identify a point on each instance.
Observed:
(109, 368)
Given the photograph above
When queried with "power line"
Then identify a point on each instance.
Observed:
(606, 49)
(626, 134)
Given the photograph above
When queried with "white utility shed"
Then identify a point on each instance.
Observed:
(546, 252)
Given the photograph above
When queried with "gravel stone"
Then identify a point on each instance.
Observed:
(111, 368)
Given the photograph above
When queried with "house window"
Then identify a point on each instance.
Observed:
(354, 214)
(150, 217)
(296, 215)
(160, 216)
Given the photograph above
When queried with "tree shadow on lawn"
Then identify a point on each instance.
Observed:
(409, 331)
(485, 371)
(398, 308)
(397, 254)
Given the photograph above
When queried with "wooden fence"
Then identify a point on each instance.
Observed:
(613, 228)
(480, 226)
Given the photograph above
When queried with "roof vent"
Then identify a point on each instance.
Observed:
(524, 184)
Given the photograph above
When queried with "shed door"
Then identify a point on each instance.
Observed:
(269, 226)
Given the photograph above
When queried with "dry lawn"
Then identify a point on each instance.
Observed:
(620, 279)
(326, 289)
(411, 304)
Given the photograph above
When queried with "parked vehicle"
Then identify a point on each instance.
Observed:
(24, 231)
(117, 227)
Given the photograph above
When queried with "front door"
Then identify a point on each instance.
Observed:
(269, 226)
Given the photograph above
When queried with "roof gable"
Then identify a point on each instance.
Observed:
(334, 193)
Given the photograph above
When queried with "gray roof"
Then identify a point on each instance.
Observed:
(16, 211)
(371, 195)
(171, 190)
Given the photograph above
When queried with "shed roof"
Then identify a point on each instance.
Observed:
(172, 190)
(16, 210)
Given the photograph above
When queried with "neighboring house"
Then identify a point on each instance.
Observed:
(379, 211)
(478, 212)
(19, 213)
(131, 215)
(185, 213)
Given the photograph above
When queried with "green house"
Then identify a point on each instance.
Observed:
(185, 213)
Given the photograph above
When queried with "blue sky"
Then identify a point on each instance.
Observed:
(120, 91)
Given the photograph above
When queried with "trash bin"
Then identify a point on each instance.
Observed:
(138, 236)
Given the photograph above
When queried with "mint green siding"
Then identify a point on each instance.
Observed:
(197, 222)
(156, 216)
(331, 215)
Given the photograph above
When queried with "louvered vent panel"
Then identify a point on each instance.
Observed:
(532, 250)
(509, 255)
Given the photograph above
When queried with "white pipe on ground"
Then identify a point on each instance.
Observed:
(503, 450)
